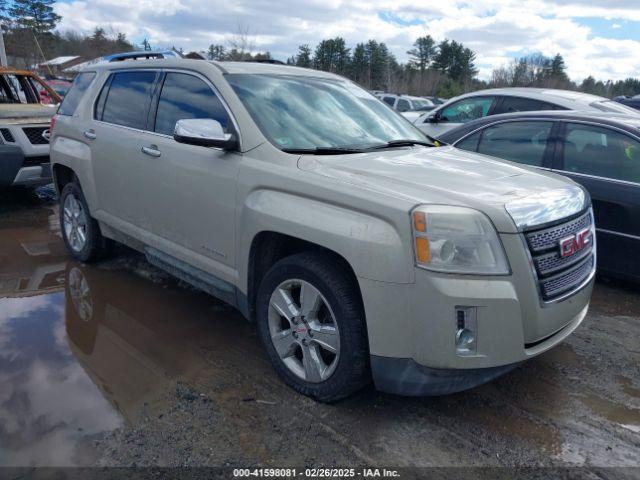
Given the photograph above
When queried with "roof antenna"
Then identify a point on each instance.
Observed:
(42, 54)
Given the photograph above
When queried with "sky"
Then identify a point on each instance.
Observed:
(597, 37)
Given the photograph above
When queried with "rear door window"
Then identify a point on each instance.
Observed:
(128, 99)
(522, 142)
(74, 95)
(185, 96)
(601, 152)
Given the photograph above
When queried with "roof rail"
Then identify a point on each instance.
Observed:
(120, 57)
(265, 60)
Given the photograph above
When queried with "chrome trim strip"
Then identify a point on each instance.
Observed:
(619, 234)
(546, 119)
(596, 177)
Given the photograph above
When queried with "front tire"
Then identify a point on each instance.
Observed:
(311, 322)
(80, 232)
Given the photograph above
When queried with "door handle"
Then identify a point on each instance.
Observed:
(152, 151)
(90, 134)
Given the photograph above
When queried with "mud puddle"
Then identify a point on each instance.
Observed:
(119, 364)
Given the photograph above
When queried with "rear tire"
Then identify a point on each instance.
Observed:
(322, 348)
(80, 232)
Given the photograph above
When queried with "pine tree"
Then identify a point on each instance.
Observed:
(35, 15)
(303, 58)
(216, 52)
(422, 53)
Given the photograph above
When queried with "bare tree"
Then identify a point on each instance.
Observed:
(241, 44)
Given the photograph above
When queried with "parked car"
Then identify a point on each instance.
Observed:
(436, 100)
(601, 151)
(633, 102)
(483, 103)
(24, 127)
(358, 249)
(61, 87)
(405, 103)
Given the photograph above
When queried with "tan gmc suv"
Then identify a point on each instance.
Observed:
(361, 251)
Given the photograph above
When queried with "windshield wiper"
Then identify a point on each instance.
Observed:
(323, 150)
(403, 143)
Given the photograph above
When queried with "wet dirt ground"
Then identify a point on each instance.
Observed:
(119, 364)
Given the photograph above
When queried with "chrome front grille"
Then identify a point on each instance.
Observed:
(559, 275)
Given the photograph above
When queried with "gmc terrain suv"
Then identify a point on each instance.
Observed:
(24, 128)
(360, 251)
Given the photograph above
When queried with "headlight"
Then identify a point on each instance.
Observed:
(457, 240)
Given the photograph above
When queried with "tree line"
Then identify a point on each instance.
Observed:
(445, 68)
(30, 35)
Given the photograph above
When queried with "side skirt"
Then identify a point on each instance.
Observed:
(200, 279)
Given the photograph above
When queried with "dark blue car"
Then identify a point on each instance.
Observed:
(599, 151)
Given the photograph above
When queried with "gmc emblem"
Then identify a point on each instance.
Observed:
(575, 243)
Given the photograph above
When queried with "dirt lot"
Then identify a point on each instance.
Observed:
(119, 364)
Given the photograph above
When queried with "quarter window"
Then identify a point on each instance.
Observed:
(470, 143)
(466, 110)
(127, 101)
(183, 97)
(74, 95)
(522, 142)
(389, 101)
(403, 105)
(601, 152)
(519, 104)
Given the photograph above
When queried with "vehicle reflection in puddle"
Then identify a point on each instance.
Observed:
(48, 405)
(84, 349)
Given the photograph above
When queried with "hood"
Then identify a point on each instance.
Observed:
(31, 112)
(450, 176)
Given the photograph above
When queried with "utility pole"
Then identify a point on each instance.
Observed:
(3, 53)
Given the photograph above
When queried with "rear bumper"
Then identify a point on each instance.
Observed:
(404, 376)
(16, 169)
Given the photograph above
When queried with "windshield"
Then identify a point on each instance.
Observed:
(614, 107)
(297, 112)
(418, 104)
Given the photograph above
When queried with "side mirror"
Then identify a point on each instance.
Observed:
(433, 117)
(204, 132)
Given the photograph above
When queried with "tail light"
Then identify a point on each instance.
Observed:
(52, 125)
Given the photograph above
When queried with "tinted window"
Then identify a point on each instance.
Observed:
(403, 105)
(517, 104)
(522, 142)
(185, 96)
(75, 94)
(470, 143)
(128, 99)
(466, 110)
(389, 100)
(602, 152)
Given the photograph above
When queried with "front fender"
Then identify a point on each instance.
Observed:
(371, 245)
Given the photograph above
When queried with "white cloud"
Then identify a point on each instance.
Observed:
(496, 29)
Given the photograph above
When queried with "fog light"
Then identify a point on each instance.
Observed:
(466, 331)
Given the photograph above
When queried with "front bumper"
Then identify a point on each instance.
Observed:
(18, 170)
(412, 327)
